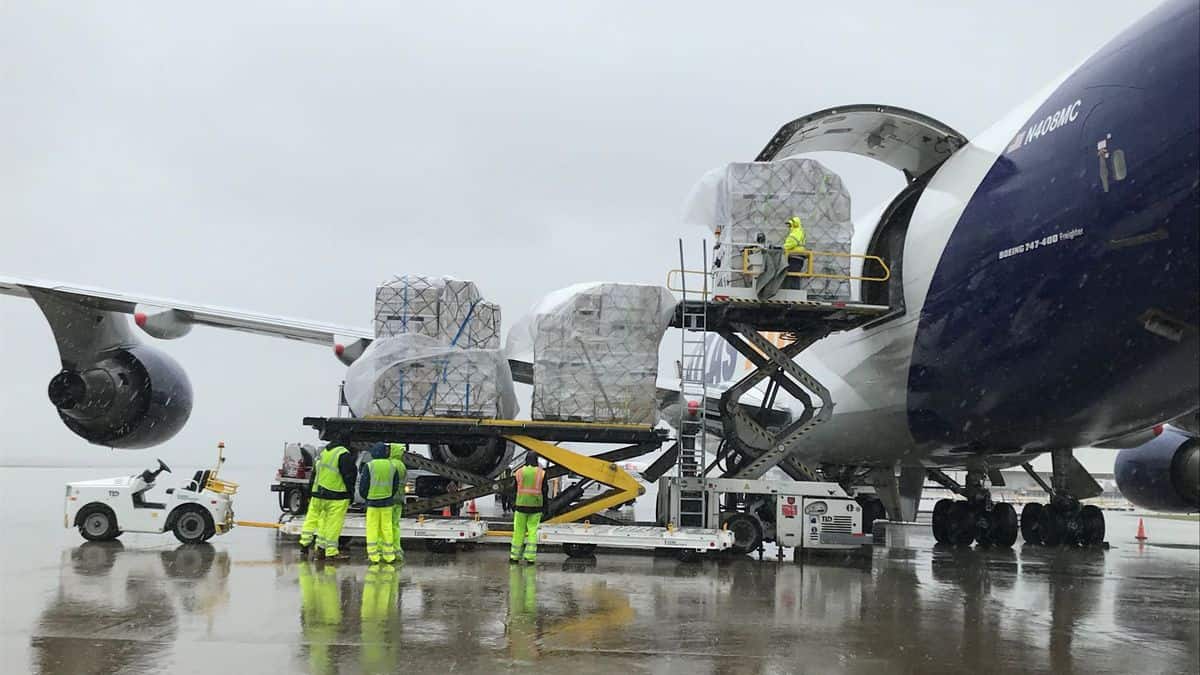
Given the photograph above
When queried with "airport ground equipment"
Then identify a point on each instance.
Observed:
(293, 477)
(752, 444)
(805, 515)
(569, 523)
(106, 508)
(540, 437)
(437, 532)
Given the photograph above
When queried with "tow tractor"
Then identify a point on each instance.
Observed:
(104, 509)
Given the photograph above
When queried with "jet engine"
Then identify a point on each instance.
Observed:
(1163, 474)
(127, 397)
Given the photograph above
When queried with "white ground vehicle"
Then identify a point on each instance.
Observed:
(103, 509)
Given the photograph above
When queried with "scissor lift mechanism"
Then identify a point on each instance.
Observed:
(539, 437)
(741, 323)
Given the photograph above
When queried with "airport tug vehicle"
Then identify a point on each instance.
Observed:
(106, 508)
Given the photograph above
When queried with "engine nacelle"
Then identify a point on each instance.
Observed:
(1162, 475)
(129, 397)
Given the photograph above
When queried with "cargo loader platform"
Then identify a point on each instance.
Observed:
(539, 437)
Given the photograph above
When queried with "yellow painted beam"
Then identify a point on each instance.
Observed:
(626, 488)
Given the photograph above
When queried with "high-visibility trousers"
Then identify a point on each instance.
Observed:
(397, 513)
(323, 523)
(381, 543)
(525, 527)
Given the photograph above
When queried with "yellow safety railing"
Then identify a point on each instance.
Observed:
(676, 277)
(225, 487)
(808, 268)
(681, 277)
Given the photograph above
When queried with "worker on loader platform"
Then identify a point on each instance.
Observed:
(531, 498)
(793, 246)
(396, 455)
(378, 484)
(330, 501)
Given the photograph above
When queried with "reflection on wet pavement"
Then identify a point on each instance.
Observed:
(911, 607)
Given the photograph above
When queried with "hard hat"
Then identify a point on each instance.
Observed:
(794, 221)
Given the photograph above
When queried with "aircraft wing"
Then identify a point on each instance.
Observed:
(188, 313)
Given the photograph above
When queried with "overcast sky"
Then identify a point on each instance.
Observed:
(286, 157)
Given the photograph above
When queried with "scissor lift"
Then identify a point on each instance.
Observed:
(571, 527)
(751, 448)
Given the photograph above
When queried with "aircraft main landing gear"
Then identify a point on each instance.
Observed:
(1064, 521)
(961, 522)
(974, 519)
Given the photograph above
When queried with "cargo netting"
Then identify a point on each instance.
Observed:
(742, 200)
(595, 352)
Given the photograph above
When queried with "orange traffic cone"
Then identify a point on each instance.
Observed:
(445, 511)
(471, 510)
(1141, 535)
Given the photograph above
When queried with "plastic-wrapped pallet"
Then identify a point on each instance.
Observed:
(742, 200)
(483, 330)
(418, 375)
(447, 309)
(595, 352)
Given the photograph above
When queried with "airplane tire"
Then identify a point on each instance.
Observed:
(940, 510)
(1004, 525)
(1052, 526)
(872, 510)
(1092, 519)
(960, 524)
(1031, 515)
(985, 525)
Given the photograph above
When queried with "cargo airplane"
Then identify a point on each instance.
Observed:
(1044, 296)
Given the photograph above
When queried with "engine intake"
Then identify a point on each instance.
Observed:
(130, 397)
(1163, 474)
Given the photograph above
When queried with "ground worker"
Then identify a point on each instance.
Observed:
(396, 455)
(527, 515)
(377, 484)
(330, 500)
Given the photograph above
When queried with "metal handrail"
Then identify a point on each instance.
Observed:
(671, 274)
(809, 274)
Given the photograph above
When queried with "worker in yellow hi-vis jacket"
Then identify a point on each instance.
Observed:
(332, 482)
(378, 484)
(527, 515)
(396, 455)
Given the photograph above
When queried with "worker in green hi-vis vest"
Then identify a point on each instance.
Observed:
(527, 515)
(396, 455)
(378, 485)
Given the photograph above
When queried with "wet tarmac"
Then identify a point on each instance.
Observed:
(246, 603)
